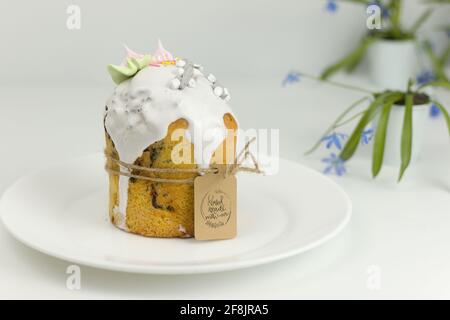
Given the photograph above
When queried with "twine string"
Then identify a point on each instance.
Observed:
(230, 169)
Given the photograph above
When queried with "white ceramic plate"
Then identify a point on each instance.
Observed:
(62, 211)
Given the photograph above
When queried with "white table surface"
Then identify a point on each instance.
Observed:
(403, 230)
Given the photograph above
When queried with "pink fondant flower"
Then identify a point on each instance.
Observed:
(161, 54)
(133, 54)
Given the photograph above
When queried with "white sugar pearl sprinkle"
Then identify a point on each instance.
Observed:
(211, 78)
(218, 91)
(196, 72)
(192, 83)
(198, 66)
(175, 84)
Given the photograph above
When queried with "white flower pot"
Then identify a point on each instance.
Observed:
(392, 63)
(392, 149)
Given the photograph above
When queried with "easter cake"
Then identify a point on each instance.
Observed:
(163, 109)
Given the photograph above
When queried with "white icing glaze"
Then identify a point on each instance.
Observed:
(121, 223)
(141, 109)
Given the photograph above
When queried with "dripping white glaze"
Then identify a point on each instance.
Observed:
(141, 109)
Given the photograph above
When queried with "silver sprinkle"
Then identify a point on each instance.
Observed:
(187, 75)
(211, 78)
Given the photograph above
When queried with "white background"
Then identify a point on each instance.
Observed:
(53, 85)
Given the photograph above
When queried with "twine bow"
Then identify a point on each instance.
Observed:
(229, 169)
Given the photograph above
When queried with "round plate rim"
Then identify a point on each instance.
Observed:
(185, 269)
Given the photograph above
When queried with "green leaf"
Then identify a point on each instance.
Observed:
(446, 54)
(429, 51)
(353, 142)
(406, 143)
(335, 124)
(395, 7)
(437, 63)
(410, 84)
(380, 135)
(350, 61)
(445, 113)
(438, 1)
(437, 83)
(122, 73)
(423, 17)
(143, 62)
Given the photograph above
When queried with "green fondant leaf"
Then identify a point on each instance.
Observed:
(122, 73)
(142, 63)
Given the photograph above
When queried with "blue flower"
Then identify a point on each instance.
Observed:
(367, 136)
(384, 10)
(434, 111)
(331, 6)
(335, 139)
(291, 77)
(425, 77)
(334, 165)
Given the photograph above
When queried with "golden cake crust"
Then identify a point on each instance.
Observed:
(157, 209)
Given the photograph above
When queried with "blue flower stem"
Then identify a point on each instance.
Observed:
(336, 124)
(337, 84)
(349, 119)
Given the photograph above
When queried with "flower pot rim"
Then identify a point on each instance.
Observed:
(415, 105)
(387, 36)
(416, 100)
(395, 41)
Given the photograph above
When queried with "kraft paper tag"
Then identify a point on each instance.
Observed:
(215, 206)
